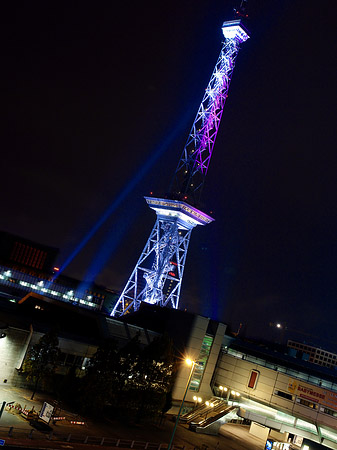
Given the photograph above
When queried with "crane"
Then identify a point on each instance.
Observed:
(157, 276)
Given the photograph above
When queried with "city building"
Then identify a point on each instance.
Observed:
(80, 331)
(313, 354)
(277, 391)
(27, 266)
(293, 393)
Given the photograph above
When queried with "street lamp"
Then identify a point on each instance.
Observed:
(222, 390)
(208, 404)
(196, 400)
(234, 394)
(191, 363)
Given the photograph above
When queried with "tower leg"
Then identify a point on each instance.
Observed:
(158, 274)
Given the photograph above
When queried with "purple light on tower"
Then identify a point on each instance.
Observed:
(157, 277)
(192, 168)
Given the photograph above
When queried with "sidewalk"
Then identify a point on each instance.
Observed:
(21, 396)
(109, 429)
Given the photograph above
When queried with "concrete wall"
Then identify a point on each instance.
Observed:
(259, 431)
(11, 353)
(234, 373)
(277, 436)
(14, 347)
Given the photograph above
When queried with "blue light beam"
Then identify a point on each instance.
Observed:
(128, 189)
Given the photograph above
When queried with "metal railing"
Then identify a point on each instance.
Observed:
(16, 433)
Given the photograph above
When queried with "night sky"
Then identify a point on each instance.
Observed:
(97, 104)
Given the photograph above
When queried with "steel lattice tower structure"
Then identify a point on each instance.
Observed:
(158, 274)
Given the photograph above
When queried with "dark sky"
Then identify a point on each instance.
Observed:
(98, 103)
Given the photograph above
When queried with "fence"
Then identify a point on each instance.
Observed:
(21, 433)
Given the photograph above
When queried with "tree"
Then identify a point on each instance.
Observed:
(157, 370)
(40, 362)
(137, 380)
(99, 385)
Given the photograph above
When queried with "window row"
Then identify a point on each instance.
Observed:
(307, 403)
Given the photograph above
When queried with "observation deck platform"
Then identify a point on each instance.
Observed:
(186, 215)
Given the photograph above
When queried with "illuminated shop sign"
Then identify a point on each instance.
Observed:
(312, 393)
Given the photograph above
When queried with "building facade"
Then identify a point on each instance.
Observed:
(279, 392)
(313, 354)
(275, 390)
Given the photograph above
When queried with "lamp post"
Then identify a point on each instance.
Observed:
(234, 394)
(223, 390)
(191, 363)
(197, 400)
(209, 405)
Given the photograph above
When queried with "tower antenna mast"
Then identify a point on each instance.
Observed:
(158, 274)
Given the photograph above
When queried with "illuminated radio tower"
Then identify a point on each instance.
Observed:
(158, 274)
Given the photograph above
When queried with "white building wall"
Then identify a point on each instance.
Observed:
(234, 373)
(11, 348)
(14, 347)
(259, 431)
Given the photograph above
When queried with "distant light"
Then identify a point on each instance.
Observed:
(195, 398)
(278, 325)
(199, 399)
(221, 388)
(56, 269)
(189, 362)
(8, 273)
(233, 392)
(237, 394)
(207, 403)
